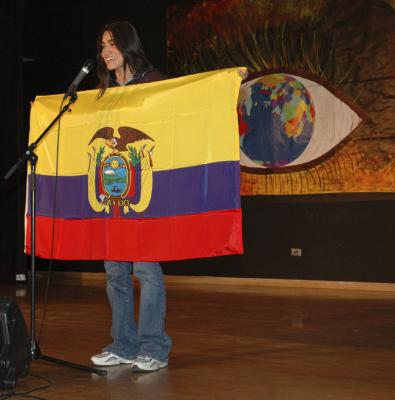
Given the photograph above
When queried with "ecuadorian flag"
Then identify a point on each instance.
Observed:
(147, 172)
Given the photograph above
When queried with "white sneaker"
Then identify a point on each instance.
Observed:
(107, 359)
(147, 364)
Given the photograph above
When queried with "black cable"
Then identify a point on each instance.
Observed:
(53, 231)
(27, 394)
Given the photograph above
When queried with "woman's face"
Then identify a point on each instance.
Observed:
(111, 55)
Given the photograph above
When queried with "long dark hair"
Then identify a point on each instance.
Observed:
(127, 41)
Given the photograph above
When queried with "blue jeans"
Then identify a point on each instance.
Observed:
(149, 337)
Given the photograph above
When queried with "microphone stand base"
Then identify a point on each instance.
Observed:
(37, 355)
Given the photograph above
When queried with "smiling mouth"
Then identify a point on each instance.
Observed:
(109, 59)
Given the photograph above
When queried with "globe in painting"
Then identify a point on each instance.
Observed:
(276, 120)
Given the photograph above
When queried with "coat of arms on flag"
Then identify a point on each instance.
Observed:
(113, 168)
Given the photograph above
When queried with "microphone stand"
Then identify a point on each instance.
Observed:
(32, 158)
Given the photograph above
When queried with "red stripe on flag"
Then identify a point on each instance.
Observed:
(151, 239)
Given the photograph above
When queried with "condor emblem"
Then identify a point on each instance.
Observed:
(117, 165)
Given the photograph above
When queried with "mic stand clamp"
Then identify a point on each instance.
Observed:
(32, 158)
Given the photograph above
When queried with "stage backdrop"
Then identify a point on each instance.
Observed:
(146, 172)
(317, 111)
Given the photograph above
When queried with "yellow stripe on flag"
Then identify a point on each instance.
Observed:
(189, 119)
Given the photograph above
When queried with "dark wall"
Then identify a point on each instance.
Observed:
(346, 238)
(342, 238)
(12, 133)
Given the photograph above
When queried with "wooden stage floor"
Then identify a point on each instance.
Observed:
(230, 342)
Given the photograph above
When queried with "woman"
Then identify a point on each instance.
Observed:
(122, 61)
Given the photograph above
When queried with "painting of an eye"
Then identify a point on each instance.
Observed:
(286, 120)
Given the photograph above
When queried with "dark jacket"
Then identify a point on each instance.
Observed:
(151, 75)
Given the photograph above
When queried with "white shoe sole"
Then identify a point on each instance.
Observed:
(109, 363)
(136, 368)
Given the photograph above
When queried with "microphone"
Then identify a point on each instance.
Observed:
(86, 68)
